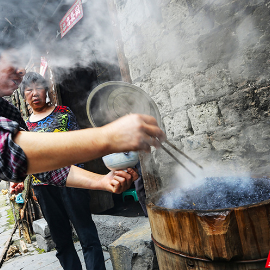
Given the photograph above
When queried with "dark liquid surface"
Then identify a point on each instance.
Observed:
(217, 193)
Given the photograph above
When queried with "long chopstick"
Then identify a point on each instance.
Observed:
(176, 159)
(182, 153)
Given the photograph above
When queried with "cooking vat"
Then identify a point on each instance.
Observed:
(224, 238)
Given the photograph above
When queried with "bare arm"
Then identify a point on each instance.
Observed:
(115, 182)
(49, 151)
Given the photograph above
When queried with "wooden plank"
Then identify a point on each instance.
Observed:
(7, 244)
(23, 246)
(25, 231)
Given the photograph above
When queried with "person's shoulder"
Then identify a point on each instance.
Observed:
(60, 108)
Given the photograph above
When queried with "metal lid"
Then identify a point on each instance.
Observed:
(111, 100)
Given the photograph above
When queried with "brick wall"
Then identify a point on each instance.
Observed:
(205, 63)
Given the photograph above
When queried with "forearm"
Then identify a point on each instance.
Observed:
(116, 182)
(49, 151)
(80, 178)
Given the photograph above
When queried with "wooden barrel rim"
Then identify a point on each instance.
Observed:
(176, 252)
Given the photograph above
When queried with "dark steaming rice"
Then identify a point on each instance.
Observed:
(218, 192)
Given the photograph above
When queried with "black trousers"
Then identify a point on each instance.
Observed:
(59, 206)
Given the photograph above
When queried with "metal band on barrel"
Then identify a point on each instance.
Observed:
(198, 258)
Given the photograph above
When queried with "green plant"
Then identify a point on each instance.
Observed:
(11, 220)
(40, 251)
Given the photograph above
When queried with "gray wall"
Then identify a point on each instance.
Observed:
(205, 63)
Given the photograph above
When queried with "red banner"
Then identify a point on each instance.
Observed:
(43, 66)
(74, 14)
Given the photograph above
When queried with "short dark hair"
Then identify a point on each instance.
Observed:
(33, 77)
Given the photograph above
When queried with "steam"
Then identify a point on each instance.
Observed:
(89, 42)
(91, 39)
(186, 181)
(215, 187)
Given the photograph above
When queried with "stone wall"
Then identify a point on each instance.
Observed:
(205, 63)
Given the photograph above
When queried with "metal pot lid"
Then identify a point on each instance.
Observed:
(111, 100)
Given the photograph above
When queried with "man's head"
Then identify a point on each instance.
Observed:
(13, 58)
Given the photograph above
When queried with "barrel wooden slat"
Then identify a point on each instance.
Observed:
(220, 236)
(223, 236)
(176, 229)
(254, 232)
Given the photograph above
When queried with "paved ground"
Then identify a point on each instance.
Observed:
(31, 260)
(45, 261)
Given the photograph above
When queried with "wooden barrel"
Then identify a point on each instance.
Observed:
(233, 238)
